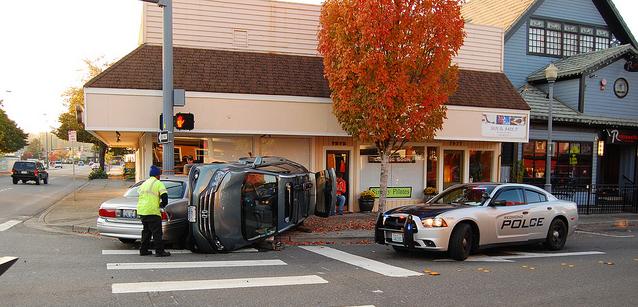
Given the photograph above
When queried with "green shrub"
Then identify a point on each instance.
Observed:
(98, 173)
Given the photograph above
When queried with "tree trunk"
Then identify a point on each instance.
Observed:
(102, 155)
(383, 180)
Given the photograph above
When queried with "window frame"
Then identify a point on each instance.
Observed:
(545, 39)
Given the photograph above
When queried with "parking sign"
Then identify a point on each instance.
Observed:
(72, 136)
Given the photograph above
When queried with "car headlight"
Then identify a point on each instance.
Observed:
(436, 222)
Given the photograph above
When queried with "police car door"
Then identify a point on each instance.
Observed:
(511, 214)
(325, 193)
(541, 213)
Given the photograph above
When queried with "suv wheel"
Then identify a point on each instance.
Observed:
(15, 181)
(46, 180)
(37, 180)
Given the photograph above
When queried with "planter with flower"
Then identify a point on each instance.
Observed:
(366, 200)
(429, 193)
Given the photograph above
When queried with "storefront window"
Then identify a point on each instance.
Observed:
(293, 149)
(572, 163)
(405, 169)
(452, 168)
(480, 166)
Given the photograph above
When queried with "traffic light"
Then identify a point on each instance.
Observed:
(184, 121)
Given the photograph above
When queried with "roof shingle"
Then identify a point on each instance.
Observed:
(223, 71)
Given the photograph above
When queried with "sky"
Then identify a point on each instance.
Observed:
(43, 45)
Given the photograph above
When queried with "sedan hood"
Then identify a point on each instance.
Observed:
(423, 210)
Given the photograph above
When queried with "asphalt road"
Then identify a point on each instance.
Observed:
(597, 267)
(24, 200)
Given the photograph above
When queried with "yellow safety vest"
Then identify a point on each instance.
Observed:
(149, 199)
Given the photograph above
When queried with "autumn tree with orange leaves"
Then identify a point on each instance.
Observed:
(389, 66)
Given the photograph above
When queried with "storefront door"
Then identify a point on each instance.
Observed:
(452, 167)
(340, 161)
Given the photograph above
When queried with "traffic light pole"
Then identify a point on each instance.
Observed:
(168, 159)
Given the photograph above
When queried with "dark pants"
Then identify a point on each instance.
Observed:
(152, 226)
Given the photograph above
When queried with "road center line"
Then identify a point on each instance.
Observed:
(6, 225)
(604, 235)
(508, 258)
(362, 262)
(165, 286)
(191, 264)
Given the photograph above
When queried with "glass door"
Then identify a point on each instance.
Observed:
(452, 167)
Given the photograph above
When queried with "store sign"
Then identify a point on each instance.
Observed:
(400, 192)
(622, 137)
(393, 159)
(501, 125)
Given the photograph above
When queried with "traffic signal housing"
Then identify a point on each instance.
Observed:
(184, 121)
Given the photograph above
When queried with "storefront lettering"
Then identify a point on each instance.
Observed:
(392, 192)
(393, 159)
(618, 136)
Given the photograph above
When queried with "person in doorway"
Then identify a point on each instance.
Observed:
(189, 160)
(151, 192)
(341, 191)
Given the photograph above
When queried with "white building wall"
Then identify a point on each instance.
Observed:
(283, 27)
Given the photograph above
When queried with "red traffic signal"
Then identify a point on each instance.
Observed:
(184, 121)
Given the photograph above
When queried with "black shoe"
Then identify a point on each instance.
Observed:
(145, 253)
(162, 254)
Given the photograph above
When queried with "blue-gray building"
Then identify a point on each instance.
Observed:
(595, 102)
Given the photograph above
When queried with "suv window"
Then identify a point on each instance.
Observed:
(24, 165)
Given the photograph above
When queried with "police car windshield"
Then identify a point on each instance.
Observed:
(464, 195)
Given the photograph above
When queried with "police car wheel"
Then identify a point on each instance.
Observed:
(461, 242)
(556, 236)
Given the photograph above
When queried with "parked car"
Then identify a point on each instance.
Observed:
(233, 205)
(467, 217)
(29, 170)
(57, 164)
(118, 217)
(80, 163)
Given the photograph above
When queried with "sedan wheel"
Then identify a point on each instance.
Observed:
(461, 242)
(556, 236)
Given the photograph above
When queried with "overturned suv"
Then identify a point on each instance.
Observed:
(234, 205)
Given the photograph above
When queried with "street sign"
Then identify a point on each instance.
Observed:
(73, 136)
(163, 137)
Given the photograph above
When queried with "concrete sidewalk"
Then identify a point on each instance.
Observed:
(80, 215)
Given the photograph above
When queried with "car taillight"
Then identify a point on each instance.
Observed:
(11, 172)
(107, 212)
(36, 172)
(164, 215)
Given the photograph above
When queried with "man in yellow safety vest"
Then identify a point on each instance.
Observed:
(150, 194)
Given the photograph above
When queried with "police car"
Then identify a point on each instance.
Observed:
(467, 217)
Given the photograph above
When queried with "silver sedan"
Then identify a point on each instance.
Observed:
(118, 216)
(467, 217)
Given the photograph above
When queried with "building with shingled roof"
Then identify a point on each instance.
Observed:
(255, 84)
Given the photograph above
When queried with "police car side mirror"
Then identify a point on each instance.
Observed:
(499, 202)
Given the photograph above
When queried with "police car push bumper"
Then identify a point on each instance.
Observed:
(411, 233)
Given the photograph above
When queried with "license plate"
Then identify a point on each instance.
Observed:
(24, 172)
(397, 237)
(192, 210)
(128, 213)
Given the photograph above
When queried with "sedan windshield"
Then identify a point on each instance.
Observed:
(175, 189)
(464, 195)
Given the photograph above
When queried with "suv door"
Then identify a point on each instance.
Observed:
(325, 192)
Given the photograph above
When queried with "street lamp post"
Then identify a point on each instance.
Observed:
(551, 73)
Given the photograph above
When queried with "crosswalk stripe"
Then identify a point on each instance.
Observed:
(191, 264)
(164, 286)
(6, 225)
(362, 262)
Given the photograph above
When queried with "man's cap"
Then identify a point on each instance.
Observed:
(155, 171)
